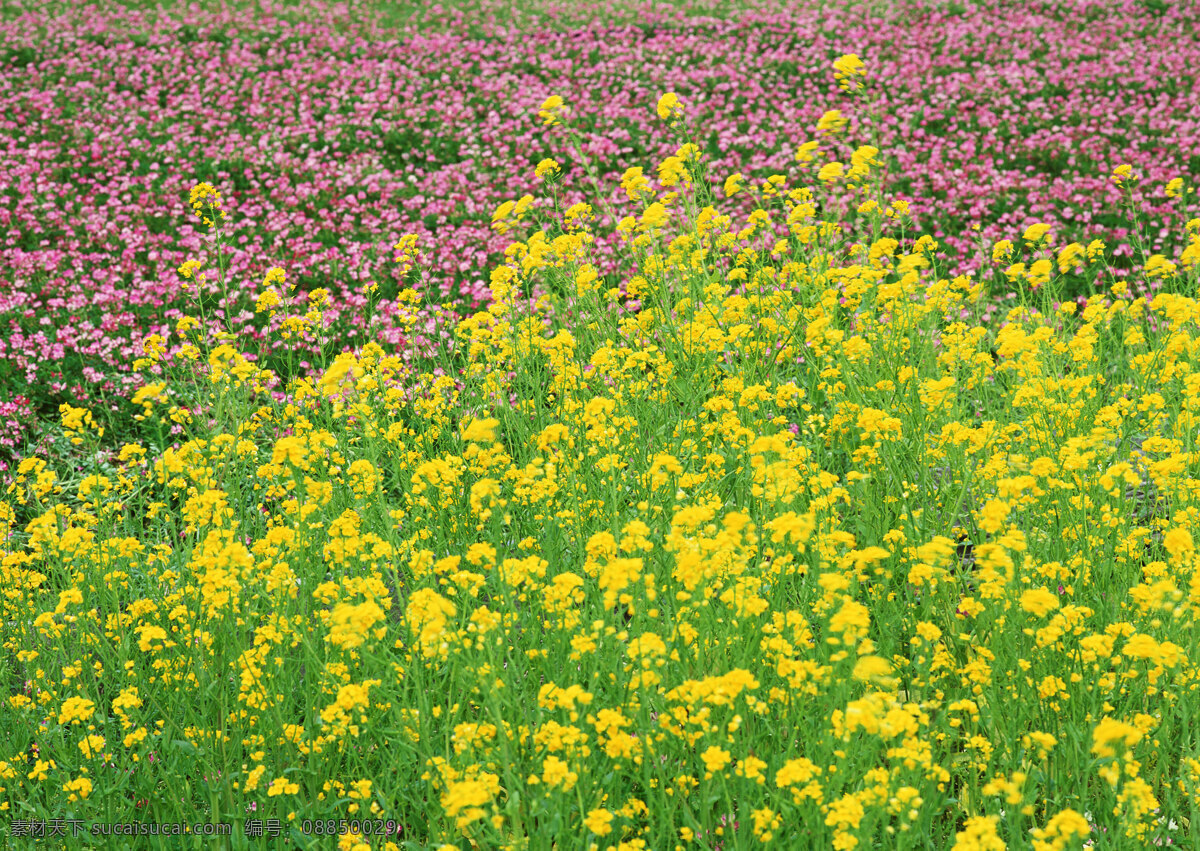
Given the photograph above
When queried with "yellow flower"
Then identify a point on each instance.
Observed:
(1043, 741)
(587, 280)
(831, 122)
(205, 195)
(68, 597)
(1034, 233)
(715, 759)
(1178, 542)
(189, 268)
(1039, 273)
(689, 153)
(1142, 646)
(290, 450)
(126, 700)
(551, 109)
(599, 822)
(1002, 251)
(1061, 831)
(1158, 266)
(733, 184)
(281, 786)
(502, 213)
(480, 430)
(426, 613)
(1070, 256)
(1039, 601)
(671, 171)
(861, 161)
(852, 620)
(134, 738)
(806, 152)
(546, 167)
(351, 624)
(362, 477)
(766, 822)
(79, 788)
(796, 772)
(979, 834)
(148, 634)
(91, 746)
(653, 217)
(669, 107)
(1191, 255)
(578, 215)
(1122, 173)
(463, 800)
(75, 420)
(846, 69)
(556, 772)
(634, 182)
(76, 709)
(154, 346)
(1110, 733)
(830, 171)
(266, 302)
(874, 669)
(349, 698)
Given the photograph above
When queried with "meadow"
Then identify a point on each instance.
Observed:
(696, 426)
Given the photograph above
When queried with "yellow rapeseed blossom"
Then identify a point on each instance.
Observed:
(205, 201)
(830, 172)
(831, 122)
(599, 822)
(806, 152)
(1110, 734)
(979, 833)
(551, 110)
(1036, 233)
(1039, 601)
(79, 788)
(848, 70)
(669, 107)
(76, 710)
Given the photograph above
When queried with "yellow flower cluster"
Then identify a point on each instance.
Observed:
(848, 70)
(205, 201)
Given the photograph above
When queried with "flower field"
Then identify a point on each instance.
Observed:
(696, 428)
(332, 136)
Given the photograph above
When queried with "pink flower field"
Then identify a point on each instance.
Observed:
(331, 136)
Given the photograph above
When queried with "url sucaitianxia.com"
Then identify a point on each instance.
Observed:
(67, 828)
